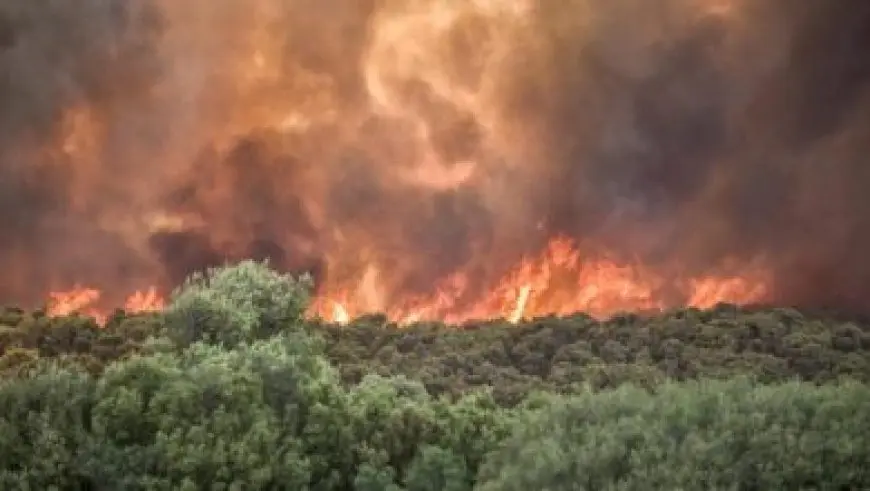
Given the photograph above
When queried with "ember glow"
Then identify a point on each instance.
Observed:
(438, 160)
(86, 301)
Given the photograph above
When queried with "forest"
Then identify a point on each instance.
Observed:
(231, 387)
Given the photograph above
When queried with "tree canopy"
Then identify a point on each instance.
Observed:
(232, 388)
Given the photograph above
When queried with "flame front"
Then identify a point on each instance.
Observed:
(559, 281)
(86, 301)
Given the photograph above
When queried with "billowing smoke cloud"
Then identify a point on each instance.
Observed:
(407, 140)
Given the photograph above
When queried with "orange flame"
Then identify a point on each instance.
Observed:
(560, 281)
(557, 282)
(85, 301)
(77, 300)
(144, 301)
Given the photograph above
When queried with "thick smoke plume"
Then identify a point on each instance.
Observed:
(406, 140)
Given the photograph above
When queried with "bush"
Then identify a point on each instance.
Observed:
(732, 435)
(233, 304)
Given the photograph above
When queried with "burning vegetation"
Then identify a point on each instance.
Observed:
(438, 160)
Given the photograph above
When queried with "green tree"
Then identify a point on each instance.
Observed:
(437, 469)
(732, 435)
(375, 478)
(44, 423)
(238, 303)
(206, 417)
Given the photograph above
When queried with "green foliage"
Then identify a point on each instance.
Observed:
(202, 418)
(437, 469)
(232, 389)
(711, 435)
(564, 354)
(233, 304)
(559, 354)
(44, 423)
(380, 427)
(73, 340)
(372, 478)
(269, 415)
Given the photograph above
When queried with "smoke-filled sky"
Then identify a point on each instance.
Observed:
(142, 139)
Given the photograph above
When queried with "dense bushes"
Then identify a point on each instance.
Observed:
(563, 354)
(231, 389)
(269, 415)
(555, 354)
(717, 435)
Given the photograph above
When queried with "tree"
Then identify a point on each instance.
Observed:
(233, 419)
(702, 435)
(234, 304)
(44, 422)
(437, 469)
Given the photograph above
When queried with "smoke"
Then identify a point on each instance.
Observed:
(408, 140)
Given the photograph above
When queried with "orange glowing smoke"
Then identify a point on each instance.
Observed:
(431, 110)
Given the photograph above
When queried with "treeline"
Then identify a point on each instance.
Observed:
(231, 388)
(558, 354)
(566, 354)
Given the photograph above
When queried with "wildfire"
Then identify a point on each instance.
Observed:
(85, 301)
(558, 281)
(394, 145)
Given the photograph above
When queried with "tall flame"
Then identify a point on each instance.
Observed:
(85, 301)
(559, 281)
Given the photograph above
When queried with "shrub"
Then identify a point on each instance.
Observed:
(234, 304)
(728, 435)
